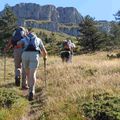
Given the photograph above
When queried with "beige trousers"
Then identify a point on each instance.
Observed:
(19, 70)
(30, 61)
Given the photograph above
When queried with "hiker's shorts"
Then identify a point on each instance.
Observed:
(65, 54)
(30, 59)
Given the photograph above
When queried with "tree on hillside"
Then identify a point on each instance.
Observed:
(90, 37)
(53, 43)
(115, 32)
(52, 38)
(115, 29)
(7, 25)
(117, 15)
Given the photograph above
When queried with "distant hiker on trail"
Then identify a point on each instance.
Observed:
(32, 47)
(18, 34)
(67, 51)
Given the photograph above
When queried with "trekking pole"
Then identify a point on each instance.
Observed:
(4, 66)
(45, 73)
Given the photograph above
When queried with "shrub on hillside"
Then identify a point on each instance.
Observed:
(102, 107)
(12, 106)
(7, 98)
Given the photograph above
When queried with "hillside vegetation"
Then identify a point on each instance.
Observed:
(86, 89)
(59, 37)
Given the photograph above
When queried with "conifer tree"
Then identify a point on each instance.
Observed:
(90, 38)
(7, 25)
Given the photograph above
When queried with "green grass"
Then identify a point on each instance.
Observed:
(12, 105)
(70, 86)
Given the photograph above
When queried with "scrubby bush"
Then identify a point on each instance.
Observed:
(102, 107)
(12, 105)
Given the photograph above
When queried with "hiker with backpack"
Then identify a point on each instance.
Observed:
(32, 49)
(67, 51)
(18, 34)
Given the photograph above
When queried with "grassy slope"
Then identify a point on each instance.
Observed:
(59, 36)
(88, 74)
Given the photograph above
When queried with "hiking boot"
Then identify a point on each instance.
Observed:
(17, 81)
(31, 96)
(25, 87)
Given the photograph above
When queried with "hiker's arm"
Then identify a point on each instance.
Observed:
(43, 50)
(44, 53)
(74, 46)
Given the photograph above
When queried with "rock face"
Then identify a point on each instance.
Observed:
(69, 15)
(35, 11)
(71, 31)
(47, 12)
(55, 16)
(51, 26)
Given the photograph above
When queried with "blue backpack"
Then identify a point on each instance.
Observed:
(31, 46)
(17, 35)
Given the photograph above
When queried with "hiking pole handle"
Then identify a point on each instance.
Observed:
(45, 72)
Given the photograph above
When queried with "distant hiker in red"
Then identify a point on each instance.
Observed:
(67, 51)
(32, 49)
(18, 34)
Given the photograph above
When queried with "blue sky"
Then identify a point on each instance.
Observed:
(99, 9)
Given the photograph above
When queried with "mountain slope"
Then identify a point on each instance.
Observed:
(61, 19)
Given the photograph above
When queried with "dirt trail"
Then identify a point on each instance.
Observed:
(37, 105)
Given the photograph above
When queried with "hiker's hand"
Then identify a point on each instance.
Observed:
(45, 58)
